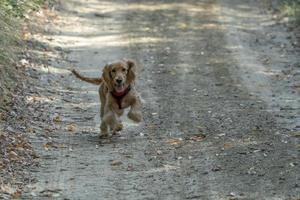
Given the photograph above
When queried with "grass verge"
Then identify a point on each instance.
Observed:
(12, 14)
(291, 8)
(16, 153)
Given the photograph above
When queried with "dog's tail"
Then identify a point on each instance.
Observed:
(96, 81)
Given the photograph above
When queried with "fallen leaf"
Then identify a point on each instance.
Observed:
(173, 72)
(116, 163)
(198, 138)
(151, 126)
(227, 146)
(62, 146)
(174, 141)
(13, 155)
(57, 119)
(16, 195)
(159, 152)
(8, 189)
(55, 190)
(182, 26)
(24, 62)
(29, 130)
(1, 116)
(47, 146)
(71, 127)
(49, 129)
(296, 134)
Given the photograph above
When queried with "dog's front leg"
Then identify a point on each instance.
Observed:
(135, 112)
(103, 101)
(118, 126)
(109, 120)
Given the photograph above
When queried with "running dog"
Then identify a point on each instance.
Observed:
(116, 93)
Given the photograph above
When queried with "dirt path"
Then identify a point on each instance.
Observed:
(205, 68)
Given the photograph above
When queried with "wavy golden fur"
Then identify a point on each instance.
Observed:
(117, 78)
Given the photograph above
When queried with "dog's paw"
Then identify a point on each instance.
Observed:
(103, 135)
(135, 116)
(118, 127)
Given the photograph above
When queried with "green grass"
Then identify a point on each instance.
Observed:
(19, 8)
(291, 8)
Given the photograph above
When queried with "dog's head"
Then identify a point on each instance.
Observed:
(118, 76)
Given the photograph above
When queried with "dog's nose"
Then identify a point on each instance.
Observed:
(119, 81)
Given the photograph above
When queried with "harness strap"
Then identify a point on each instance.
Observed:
(119, 96)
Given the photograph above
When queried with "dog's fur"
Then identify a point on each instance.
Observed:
(116, 76)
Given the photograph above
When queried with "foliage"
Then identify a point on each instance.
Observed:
(291, 8)
(18, 8)
(12, 13)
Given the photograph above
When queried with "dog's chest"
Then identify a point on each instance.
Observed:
(121, 104)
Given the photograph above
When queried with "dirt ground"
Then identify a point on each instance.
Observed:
(220, 86)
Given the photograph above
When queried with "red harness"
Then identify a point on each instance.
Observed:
(119, 96)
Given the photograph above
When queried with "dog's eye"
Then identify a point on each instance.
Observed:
(113, 70)
(123, 69)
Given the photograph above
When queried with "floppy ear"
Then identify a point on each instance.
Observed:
(107, 77)
(131, 71)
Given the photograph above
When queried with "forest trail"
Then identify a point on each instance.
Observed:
(220, 107)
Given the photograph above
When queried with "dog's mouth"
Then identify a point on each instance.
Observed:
(120, 87)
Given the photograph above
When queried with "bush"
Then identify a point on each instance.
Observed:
(291, 8)
(18, 8)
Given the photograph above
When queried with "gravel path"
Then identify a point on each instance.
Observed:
(221, 109)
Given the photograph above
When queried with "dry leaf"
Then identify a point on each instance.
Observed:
(182, 26)
(297, 134)
(115, 163)
(7, 189)
(62, 146)
(57, 119)
(71, 127)
(16, 195)
(13, 155)
(47, 146)
(227, 146)
(151, 126)
(174, 141)
(29, 130)
(159, 152)
(198, 138)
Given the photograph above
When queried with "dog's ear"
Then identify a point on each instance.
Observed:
(131, 71)
(107, 77)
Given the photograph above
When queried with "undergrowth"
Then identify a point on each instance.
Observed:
(12, 14)
(291, 8)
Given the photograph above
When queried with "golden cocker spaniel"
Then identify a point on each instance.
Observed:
(116, 93)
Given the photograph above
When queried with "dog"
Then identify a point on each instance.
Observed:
(117, 92)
